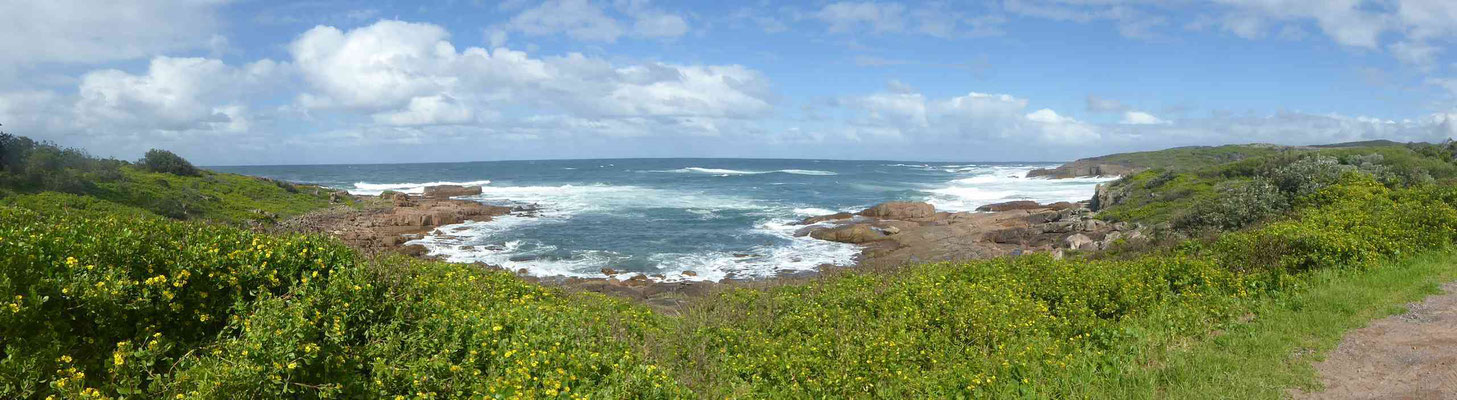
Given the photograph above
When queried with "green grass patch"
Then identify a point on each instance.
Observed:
(1273, 352)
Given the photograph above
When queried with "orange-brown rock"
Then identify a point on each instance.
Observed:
(901, 210)
(448, 191)
(388, 225)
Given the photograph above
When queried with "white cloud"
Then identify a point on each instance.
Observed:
(428, 110)
(410, 74)
(95, 31)
(1141, 118)
(654, 24)
(382, 65)
(975, 117)
(588, 21)
(1131, 21)
(1420, 54)
(578, 19)
(845, 17)
(176, 94)
(1004, 125)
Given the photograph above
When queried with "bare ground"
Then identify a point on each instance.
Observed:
(1406, 356)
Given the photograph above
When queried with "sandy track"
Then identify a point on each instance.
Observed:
(1406, 356)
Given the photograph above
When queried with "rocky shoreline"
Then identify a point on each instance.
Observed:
(387, 221)
(890, 235)
(898, 233)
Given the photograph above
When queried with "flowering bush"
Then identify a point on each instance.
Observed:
(146, 307)
(96, 303)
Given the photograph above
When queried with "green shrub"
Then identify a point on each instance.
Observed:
(99, 299)
(163, 161)
(1239, 204)
(149, 308)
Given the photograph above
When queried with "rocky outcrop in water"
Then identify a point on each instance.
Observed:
(389, 222)
(448, 191)
(898, 233)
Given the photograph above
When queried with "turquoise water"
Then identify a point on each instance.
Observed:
(715, 217)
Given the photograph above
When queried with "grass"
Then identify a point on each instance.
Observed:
(1273, 352)
(212, 196)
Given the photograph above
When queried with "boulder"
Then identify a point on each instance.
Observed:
(1063, 205)
(1094, 225)
(397, 198)
(414, 250)
(1011, 205)
(1111, 238)
(1043, 217)
(1060, 227)
(448, 191)
(1079, 242)
(824, 218)
(901, 210)
(1020, 236)
(857, 233)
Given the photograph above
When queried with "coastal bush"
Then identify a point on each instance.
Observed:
(116, 300)
(30, 166)
(102, 299)
(180, 191)
(163, 161)
(1239, 203)
(1032, 326)
(119, 306)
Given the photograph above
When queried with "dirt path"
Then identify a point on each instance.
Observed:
(1406, 356)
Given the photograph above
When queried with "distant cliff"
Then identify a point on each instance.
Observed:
(1180, 159)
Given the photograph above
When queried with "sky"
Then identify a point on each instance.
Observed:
(320, 81)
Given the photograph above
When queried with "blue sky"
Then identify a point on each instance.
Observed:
(270, 82)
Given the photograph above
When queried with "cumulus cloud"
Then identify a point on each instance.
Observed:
(410, 74)
(175, 94)
(95, 31)
(973, 117)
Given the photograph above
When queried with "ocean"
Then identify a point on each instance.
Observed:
(715, 217)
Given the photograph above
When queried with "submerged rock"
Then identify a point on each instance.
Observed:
(826, 218)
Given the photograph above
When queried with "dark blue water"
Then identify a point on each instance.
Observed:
(714, 217)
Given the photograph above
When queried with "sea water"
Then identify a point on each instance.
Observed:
(714, 217)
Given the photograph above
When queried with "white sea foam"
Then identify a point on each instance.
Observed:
(366, 188)
(729, 172)
(800, 254)
(561, 203)
(968, 186)
(987, 184)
